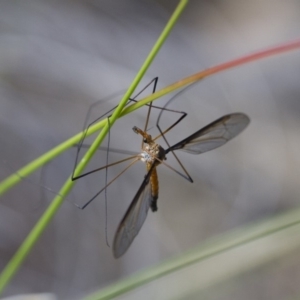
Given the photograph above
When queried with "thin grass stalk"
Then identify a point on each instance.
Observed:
(50, 212)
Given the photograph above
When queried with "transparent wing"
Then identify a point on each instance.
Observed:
(214, 134)
(134, 218)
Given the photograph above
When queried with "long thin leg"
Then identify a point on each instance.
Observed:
(98, 193)
(113, 150)
(103, 167)
(30, 181)
(162, 134)
(162, 109)
(149, 109)
(173, 169)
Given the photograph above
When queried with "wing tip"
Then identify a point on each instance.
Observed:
(117, 250)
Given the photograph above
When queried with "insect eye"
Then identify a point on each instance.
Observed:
(144, 140)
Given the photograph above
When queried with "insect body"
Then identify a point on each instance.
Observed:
(152, 154)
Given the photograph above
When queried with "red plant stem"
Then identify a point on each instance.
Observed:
(245, 59)
(213, 70)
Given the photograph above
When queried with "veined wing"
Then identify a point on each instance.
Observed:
(134, 217)
(214, 134)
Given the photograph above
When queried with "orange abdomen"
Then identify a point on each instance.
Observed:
(154, 183)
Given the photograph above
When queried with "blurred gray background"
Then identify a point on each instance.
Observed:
(57, 58)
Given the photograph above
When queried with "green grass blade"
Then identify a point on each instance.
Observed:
(34, 235)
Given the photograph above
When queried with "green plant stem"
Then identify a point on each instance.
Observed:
(33, 236)
(209, 249)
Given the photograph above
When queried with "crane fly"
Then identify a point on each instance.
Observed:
(208, 138)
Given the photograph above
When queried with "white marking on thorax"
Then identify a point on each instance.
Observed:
(146, 157)
(151, 152)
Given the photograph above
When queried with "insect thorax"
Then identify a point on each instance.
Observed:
(151, 152)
